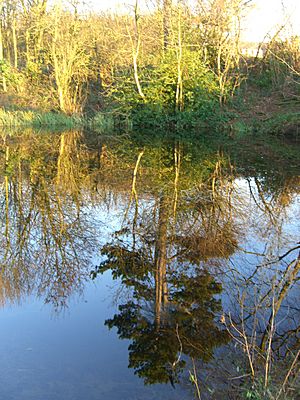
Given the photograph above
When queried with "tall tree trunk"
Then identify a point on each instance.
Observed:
(179, 86)
(4, 86)
(136, 43)
(167, 5)
(27, 46)
(15, 44)
(57, 68)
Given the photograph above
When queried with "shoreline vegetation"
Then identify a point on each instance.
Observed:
(274, 136)
(233, 124)
(174, 68)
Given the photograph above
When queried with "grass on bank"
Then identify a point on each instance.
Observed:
(235, 123)
(18, 118)
(285, 124)
(98, 122)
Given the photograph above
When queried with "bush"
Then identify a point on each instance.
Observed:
(200, 92)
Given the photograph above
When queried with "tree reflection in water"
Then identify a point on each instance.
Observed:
(190, 230)
(161, 256)
(46, 236)
(195, 230)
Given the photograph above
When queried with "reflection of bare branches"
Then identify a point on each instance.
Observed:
(67, 162)
(48, 238)
(292, 367)
(263, 200)
(275, 261)
(180, 219)
(290, 275)
(133, 194)
(210, 231)
(194, 379)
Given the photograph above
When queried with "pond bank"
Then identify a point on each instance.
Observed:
(268, 130)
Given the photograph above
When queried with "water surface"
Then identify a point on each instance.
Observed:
(125, 264)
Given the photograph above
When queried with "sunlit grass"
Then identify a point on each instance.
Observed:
(35, 119)
(99, 122)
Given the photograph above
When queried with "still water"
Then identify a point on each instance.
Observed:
(133, 269)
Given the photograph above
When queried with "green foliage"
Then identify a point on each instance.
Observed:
(102, 122)
(283, 124)
(13, 77)
(240, 129)
(200, 92)
(4, 68)
(257, 390)
(264, 80)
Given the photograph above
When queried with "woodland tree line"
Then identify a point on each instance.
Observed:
(174, 59)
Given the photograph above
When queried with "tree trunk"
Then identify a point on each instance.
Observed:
(4, 86)
(179, 86)
(15, 45)
(167, 5)
(135, 51)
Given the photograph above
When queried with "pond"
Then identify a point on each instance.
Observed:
(144, 268)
